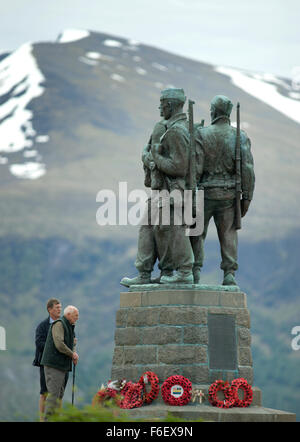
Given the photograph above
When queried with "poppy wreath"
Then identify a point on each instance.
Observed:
(133, 396)
(168, 394)
(104, 395)
(225, 387)
(242, 384)
(151, 377)
(123, 392)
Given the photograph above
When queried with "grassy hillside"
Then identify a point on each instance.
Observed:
(88, 276)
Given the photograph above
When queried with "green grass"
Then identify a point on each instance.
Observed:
(107, 413)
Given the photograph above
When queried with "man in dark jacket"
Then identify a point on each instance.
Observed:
(58, 355)
(54, 310)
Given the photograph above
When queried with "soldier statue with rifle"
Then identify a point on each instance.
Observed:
(166, 160)
(227, 176)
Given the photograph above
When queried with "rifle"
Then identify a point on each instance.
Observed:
(238, 184)
(196, 203)
(192, 168)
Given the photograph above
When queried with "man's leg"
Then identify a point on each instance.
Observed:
(146, 251)
(163, 241)
(181, 252)
(55, 381)
(224, 220)
(197, 242)
(43, 393)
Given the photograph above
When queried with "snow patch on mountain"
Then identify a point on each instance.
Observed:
(20, 79)
(29, 170)
(3, 160)
(159, 66)
(117, 77)
(264, 87)
(88, 61)
(70, 35)
(20, 82)
(30, 153)
(133, 42)
(141, 71)
(112, 43)
(42, 139)
(98, 56)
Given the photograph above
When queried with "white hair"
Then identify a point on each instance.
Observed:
(70, 309)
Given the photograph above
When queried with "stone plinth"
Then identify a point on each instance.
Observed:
(202, 333)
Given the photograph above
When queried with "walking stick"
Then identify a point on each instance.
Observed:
(73, 385)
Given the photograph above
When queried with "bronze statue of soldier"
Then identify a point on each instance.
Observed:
(226, 167)
(166, 163)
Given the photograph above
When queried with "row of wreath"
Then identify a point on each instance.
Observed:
(176, 390)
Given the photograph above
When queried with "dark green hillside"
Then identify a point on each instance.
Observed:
(88, 275)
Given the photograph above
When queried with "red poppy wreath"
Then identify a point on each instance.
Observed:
(225, 387)
(149, 377)
(133, 396)
(242, 384)
(104, 395)
(176, 390)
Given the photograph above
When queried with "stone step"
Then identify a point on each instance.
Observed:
(209, 413)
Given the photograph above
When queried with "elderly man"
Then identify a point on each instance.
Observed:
(58, 355)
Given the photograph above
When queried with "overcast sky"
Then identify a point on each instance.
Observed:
(256, 35)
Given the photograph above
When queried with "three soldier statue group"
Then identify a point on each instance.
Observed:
(181, 155)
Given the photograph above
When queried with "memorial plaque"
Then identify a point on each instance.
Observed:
(222, 342)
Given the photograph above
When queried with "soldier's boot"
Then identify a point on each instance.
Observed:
(142, 278)
(229, 279)
(180, 277)
(162, 273)
(196, 274)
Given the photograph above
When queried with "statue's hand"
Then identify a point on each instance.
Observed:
(244, 206)
(152, 165)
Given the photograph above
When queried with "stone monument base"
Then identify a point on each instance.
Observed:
(200, 332)
(207, 413)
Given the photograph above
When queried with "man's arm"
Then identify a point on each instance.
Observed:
(247, 173)
(146, 155)
(41, 336)
(58, 338)
(176, 165)
(199, 152)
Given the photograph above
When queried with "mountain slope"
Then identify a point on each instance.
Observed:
(94, 110)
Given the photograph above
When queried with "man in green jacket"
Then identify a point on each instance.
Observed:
(58, 355)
